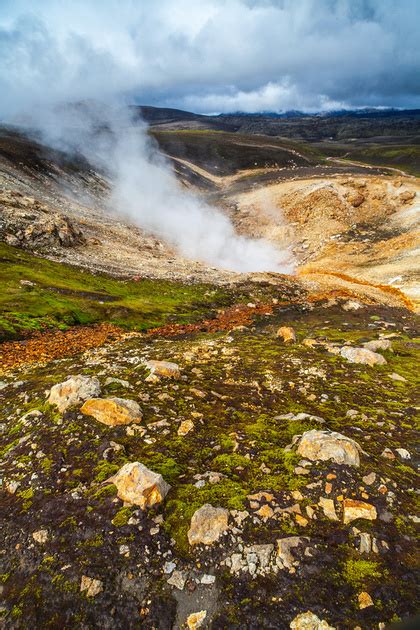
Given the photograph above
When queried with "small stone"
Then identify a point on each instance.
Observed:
(113, 411)
(164, 368)
(318, 445)
(198, 392)
(328, 508)
(287, 334)
(265, 512)
(388, 454)
(362, 355)
(140, 486)
(168, 567)
(92, 586)
(378, 344)
(41, 536)
(73, 391)
(365, 600)
(309, 621)
(196, 620)
(396, 377)
(185, 427)
(208, 579)
(284, 550)
(365, 545)
(403, 453)
(353, 510)
(178, 580)
(369, 479)
(207, 525)
(301, 520)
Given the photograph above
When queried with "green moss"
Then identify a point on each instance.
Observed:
(26, 494)
(187, 499)
(122, 517)
(104, 470)
(46, 464)
(164, 465)
(357, 572)
(66, 586)
(105, 491)
(96, 541)
(227, 463)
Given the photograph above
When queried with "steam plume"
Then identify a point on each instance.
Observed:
(146, 190)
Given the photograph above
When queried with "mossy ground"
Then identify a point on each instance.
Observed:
(63, 296)
(249, 379)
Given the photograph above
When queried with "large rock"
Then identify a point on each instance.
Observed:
(309, 621)
(353, 510)
(73, 391)
(140, 486)
(362, 355)
(325, 445)
(113, 411)
(163, 368)
(207, 525)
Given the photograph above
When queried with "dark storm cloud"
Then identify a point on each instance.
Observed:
(212, 55)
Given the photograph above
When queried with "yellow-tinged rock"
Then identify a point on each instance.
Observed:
(309, 621)
(353, 510)
(301, 520)
(365, 600)
(91, 586)
(113, 411)
(265, 512)
(286, 333)
(185, 427)
(140, 486)
(196, 620)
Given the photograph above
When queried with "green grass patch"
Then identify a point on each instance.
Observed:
(63, 296)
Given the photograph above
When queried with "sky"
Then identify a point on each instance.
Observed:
(211, 56)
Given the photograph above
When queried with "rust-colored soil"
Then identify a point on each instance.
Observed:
(239, 315)
(55, 344)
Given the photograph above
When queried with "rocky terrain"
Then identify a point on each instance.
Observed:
(186, 447)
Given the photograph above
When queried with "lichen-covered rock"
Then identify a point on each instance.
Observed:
(163, 368)
(207, 525)
(113, 411)
(73, 391)
(353, 510)
(325, 445)
(362, 355)
(309, 621)
(287, 334)
(138, 485)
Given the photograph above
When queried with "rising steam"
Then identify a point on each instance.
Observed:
(146, 190)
